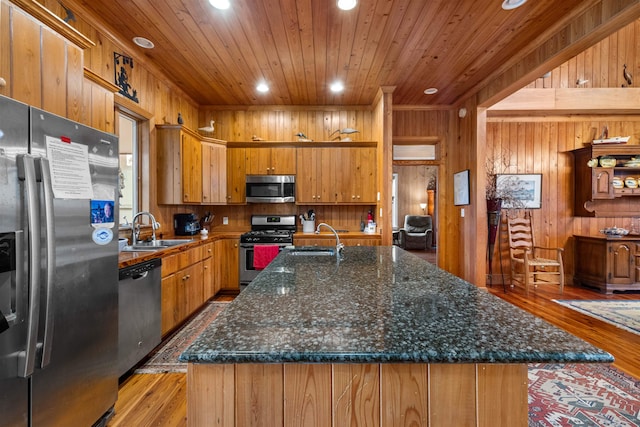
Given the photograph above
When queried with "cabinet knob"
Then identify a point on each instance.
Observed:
(353, 196)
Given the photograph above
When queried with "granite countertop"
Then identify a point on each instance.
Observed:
(126, 259)
(378, 304)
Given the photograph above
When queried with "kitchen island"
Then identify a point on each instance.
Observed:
(377, 338)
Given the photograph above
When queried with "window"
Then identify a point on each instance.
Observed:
(129, 173)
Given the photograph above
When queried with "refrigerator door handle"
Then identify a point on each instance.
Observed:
(27, 173)
(47, 339)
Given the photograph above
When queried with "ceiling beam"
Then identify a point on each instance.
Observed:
(559, 100)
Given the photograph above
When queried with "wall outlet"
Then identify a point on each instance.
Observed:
(462, 212)
(225, 220)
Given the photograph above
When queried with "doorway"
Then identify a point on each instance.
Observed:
(414, 190)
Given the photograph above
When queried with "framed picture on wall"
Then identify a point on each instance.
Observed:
(524, 191)
(461, 188)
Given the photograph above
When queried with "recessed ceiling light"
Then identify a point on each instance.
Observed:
(512, 4)
(337, 87)
(262, 87)
(431, 91)
(144, 43)
(347, 4)
(220, 4)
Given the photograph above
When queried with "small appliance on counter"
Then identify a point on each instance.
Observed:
(186, 224)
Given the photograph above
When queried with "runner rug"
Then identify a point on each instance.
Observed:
(165, 357)
(623, 314)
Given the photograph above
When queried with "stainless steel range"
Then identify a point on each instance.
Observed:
(265, 230)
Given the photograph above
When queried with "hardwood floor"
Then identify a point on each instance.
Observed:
(625, 346)
(160, 399)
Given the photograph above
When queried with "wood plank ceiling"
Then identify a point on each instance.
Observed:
(299, 47)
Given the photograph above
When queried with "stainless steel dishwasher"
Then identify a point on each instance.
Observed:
(139, 309)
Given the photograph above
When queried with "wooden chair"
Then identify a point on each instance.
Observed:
(527, 265)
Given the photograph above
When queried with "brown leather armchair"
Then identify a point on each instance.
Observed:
(417, 232)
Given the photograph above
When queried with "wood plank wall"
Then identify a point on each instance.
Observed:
(602, 64)
(283, 123)
(540, 144)
(544, 147)
(412, 188)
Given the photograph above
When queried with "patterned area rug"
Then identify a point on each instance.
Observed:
(622, 314)
(586, 395)
(165, 358)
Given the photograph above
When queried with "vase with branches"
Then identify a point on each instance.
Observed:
(496, 195)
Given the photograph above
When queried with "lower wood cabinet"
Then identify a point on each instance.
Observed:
(208, 276)
(227, 253)
(182, 286)
(608, 264)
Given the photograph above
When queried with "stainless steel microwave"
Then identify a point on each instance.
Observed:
(271, 188)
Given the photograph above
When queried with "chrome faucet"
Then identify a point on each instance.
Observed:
(339, 246)
(136, 229)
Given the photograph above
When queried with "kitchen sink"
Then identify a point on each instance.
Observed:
(168, 242)
(312, 251)
(155, 245)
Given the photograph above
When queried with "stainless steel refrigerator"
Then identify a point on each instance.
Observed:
(58, 269)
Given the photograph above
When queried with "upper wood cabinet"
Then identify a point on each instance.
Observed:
(214, 173)
(344, 175)
(595, 192)
(180, 165)
(271, 161)
(179, 170)
(236, 175)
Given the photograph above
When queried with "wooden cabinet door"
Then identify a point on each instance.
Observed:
(326, 175)
(220, 185)
(228, 258)
(366, 182)
(258, 161)
(236, 175)
(621, 263)
(344, 175)
(207, 173)
(601, 183)
(306, 174)
(356, 177)
(191, 169)
(169, 169)
(283, 161)
(169, 303)
(208, 282)
(192, 285)
(214, 173)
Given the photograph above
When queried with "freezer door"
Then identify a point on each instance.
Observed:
(13, 266)
(78, 381)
